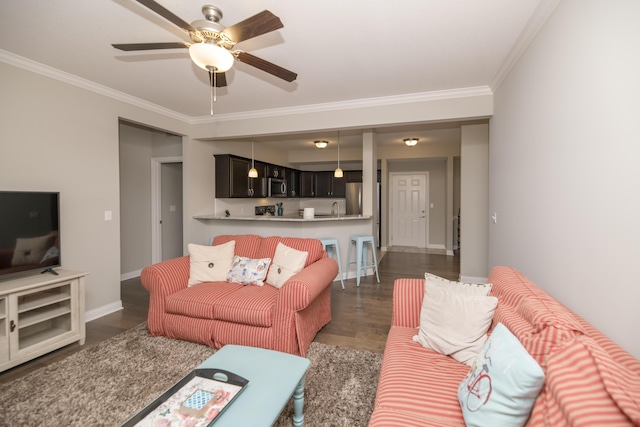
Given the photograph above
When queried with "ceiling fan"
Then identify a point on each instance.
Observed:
(213, 44)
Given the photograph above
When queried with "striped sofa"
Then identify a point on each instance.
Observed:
(589, 380)
(219, 313)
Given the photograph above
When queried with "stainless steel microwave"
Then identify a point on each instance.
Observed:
(277, 187)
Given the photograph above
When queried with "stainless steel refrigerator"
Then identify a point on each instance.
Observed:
(354, 204)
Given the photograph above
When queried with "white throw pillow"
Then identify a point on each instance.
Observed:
(210, 263)
(503, 385)
(286, 262)
(248, 271)
(465, 288)
(453, 323)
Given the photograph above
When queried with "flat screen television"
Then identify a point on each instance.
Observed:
(29, 232)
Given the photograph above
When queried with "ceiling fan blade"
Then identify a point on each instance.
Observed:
(166, 14)
(262, 23)
(221, 79)
(150, 46)
(267, 66)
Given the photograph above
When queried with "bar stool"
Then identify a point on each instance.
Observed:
(330, 245)
(361, 255)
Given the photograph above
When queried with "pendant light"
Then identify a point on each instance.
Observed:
(253, 172)
(338, 172)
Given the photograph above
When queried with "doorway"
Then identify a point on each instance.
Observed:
(166, 208)
(408, 213)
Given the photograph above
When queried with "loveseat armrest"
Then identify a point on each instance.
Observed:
(166, 277)
(303, 287)
(407, 302)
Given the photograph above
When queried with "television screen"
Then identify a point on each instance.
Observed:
(29, 232)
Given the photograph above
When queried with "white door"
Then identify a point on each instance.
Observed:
(171, 210)
(408, 210)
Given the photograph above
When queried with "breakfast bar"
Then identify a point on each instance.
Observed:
(339, 227)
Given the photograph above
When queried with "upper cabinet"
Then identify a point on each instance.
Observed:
(293, 182)
(232, 177)
(307, 184)
(326, 185)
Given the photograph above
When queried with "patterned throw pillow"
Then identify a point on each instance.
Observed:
(502, 386)
(210, 263)
(248, 271)
(286, 262)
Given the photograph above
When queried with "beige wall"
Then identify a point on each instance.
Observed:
(564, 173)
(474, 196)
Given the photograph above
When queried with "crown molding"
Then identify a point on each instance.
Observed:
(54, 73)
(351, 104)
(536, 22)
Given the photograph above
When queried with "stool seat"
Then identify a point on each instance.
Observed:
(330, 245)
(360, 240)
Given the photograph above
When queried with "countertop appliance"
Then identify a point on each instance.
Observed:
(277, 187)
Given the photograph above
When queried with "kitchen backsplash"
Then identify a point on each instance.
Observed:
(246, 207)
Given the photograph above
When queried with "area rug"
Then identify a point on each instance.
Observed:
(103, 385)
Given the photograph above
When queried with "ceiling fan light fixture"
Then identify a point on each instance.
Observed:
(411, 141)
(206, 55)
(321, 144)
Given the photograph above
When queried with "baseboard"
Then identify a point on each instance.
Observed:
(102, 311)
(473, 279)
(130, 275)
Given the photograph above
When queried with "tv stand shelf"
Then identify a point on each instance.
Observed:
(39, 314)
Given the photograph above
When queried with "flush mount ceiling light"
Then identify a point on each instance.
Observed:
(321, 144)
(411, 141)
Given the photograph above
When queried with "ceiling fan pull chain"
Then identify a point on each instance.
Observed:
(212, 80)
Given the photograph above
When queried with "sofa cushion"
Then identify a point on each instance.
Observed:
(312, 246)
(210, 263)
(286, 262)
(246, 244)
(250, 305)
(453, 323)
(503, 384)
(418, 381)
(199, 300)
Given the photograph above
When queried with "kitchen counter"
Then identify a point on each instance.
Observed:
(285, 218)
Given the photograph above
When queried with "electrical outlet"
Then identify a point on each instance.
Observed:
(108, 216)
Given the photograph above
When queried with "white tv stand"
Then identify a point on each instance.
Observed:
(39, 314)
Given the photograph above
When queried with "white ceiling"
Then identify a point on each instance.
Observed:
(341, 50)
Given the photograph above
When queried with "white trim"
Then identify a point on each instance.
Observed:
(156, 199)
(536, 22)
(473, 279)
(102, 311)
(54, 73)
(355, 103)
(130, 275)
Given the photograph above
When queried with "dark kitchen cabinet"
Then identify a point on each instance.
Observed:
(353, 176)
(232, 177)
(307, 184)
(275, 171)
(326, 185)
(293, 182)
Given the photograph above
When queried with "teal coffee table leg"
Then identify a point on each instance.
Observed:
(298, 404)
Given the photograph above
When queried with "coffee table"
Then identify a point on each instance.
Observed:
(273, 378)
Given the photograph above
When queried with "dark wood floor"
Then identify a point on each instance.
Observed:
(361, 316)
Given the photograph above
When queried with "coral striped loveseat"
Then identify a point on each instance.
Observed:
(589, 380)
(218, 313)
